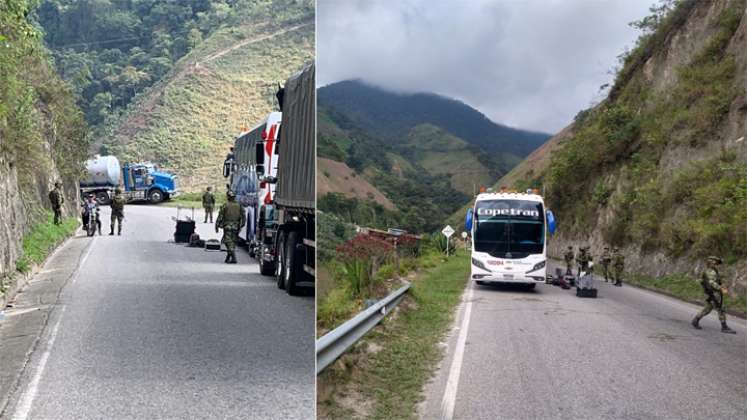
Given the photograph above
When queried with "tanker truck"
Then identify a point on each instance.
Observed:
(138, 181)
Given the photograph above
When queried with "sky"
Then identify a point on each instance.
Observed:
(531, 64)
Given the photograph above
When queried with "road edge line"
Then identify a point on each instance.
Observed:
(450, 392)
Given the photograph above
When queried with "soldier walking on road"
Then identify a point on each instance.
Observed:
(568, 256)
(606, 260)
(208, 203)
(117, 206)
(58, 199)
(231, 219)
(710, 280)
(618, 260)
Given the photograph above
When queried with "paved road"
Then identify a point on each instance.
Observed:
(629, 354)
(148, 329)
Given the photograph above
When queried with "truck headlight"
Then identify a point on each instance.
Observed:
(479, 264)
(538, 266)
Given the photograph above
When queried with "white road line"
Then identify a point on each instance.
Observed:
(23, 409)
(27, 399)
(450, 393)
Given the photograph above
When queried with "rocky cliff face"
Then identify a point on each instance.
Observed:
(660, 167)
(42, 134)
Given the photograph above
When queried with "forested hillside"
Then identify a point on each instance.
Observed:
(390, 115)
(660, 167)
(426, 154)
(174, 82)
(42, 137)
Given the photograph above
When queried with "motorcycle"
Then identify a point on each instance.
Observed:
(92, 222)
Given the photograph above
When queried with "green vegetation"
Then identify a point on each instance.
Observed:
(420, 183)
(42, 239)
(685, 287)
(193, 199)
(393, 377)
(112, 50)
(615, 152)
(37, 110)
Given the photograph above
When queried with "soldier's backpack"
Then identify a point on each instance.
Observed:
(184, 228)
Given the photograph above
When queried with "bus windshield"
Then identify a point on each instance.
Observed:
(509, 228)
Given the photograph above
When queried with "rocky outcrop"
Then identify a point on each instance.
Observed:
(677, 50)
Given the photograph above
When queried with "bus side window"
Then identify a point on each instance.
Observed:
(468, 221)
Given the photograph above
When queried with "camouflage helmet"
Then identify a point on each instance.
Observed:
(570, 246)
(230, 194)
(209, 188)
(715, 260)
(117, 190)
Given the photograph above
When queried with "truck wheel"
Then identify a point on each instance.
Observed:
(280, 260)
(155, 196)
(102, 198)
(293, 265)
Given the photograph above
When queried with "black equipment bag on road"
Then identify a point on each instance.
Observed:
(184, 228)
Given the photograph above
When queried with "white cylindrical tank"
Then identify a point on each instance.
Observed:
(102, 170)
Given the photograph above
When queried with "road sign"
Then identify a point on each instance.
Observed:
(447, 231)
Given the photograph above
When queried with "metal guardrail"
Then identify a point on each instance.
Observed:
(336, 342)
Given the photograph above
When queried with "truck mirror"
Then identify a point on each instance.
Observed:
(260, 158)
(226, 168)
(468, 221)
(550, 222)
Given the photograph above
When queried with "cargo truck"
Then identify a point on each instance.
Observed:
(138, 181)
(290, 223)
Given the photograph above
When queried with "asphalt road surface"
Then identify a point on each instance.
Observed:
(148, 329)
(546, 354)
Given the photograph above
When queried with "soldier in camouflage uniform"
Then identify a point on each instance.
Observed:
(606, 259)
(710, 280)
(117, 205)
(583, 259)
(58, 199)
(568, 256)
(231, 219)
(618, 261)
(208, 203)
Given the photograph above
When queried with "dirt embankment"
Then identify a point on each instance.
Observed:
(333, 176)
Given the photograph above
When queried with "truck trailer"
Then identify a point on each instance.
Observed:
(290, 224)
(138, 181)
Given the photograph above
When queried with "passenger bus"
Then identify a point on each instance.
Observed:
(509, 232)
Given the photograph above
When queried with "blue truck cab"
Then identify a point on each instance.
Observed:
(143, 181)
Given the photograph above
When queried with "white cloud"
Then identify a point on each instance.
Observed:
(528, 64)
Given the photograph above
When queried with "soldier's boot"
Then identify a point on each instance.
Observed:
(725, 329)
(233, 258)
(111, 232)
(119, 231)
(228, 257)
(696, 323)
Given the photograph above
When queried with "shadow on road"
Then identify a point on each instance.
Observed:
(508, 287)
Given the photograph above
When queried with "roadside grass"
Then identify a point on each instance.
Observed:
(387, 383)
(42, 239)
(193, 199)
(685, 287)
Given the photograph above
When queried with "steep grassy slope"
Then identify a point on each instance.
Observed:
(660, 167)
(442, 154)
(187, 121)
